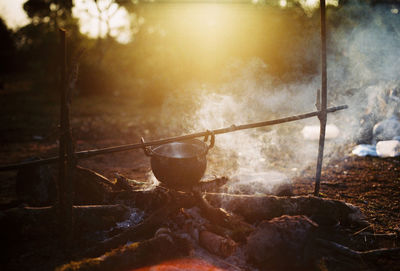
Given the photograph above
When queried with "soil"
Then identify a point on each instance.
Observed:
(29, 129)
(371, 183)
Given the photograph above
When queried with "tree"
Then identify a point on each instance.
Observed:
(55, 12)
(7, 49)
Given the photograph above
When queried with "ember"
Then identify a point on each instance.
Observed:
(182, 264)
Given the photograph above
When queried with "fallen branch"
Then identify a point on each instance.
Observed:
(146, 228)
(385, 258)
(160, 248)
(259, 207)
(31, 222)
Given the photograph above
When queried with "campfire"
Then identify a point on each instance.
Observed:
(185, 220)
(130, 225)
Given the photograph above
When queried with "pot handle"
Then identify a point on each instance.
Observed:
(212, 140)
(147, 151)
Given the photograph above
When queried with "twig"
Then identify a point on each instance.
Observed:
(363, 229)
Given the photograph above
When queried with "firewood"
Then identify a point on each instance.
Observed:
(255, 208)
(41, 222)
(147, 200)
(141, 231)
(125, 183)
(217, 244)
(212, 185)
(91, 187)
(36, 186)
(282, 243)
(377, 259)
(160, 248)
(240, 229)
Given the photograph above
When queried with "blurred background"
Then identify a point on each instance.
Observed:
(163, 68)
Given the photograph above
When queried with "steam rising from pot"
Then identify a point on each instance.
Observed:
(362, 72)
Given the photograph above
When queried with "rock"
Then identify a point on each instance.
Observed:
(387, 129)
(281, 243)
(388, 148)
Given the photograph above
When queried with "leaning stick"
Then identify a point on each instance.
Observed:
(233, 128)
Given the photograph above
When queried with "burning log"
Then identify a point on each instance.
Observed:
(212, 185)
(160, 248)
(256, 208)
(218, 216)
(139, 232)
(217, 244)
(231, 225)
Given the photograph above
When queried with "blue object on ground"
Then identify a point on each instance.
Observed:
(365, 150)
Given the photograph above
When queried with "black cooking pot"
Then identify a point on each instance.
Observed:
(181, 164)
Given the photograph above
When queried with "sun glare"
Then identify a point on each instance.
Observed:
(13, 13)
(310, 6)
(102, 18)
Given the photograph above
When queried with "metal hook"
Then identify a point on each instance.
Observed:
(147, 151)
(212, 140)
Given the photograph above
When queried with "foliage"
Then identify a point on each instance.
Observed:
(52, 12)
(7, 49)
(169, 50)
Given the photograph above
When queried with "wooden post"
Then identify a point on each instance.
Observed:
(323, 103)
(65, 167)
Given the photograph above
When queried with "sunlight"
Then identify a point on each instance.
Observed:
(197, 31)
(310, 6)
(13, 13)
(103, 18)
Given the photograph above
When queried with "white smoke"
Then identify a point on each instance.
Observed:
(363, 68)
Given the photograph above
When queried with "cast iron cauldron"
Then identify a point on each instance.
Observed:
(179, 165)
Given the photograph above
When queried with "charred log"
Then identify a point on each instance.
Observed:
(378, 259)
(41, 222)
(160, 248)
(36, 186)
(143, 230)
(282, 243)
(255, 208)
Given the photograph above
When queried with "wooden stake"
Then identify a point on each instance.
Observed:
(65, 163)
(323, 103)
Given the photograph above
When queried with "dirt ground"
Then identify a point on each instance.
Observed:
(29, 129)
(373, 184)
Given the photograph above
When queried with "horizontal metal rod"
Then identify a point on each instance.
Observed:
(90, 153)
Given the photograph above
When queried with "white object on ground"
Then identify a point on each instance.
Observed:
(388, 148)
(311, 132)
(365, 150)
